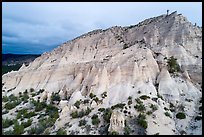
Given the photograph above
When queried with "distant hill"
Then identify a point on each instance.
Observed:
(14, 61)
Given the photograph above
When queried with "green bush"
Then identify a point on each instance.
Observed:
(167, 114)
(30, 114)
(39, 106)
(149, 112)
(107, 115)
(140, 107)
(127, 130)
(32, 90)
(180, 115)
(12, 98)
(173, 66)
(114, 133)
(129, 102)
(120, 105)
(9, 132)
(7, 122)
(95, 119)
(141, 121)
(104, 94)
(82, 122)
(74, 114)
(101, 109)
(55, 97)
(5, 99)
(27, 123)
(144, 97)
(153, 107)
(61, 132)
(86, 101)
(91, 95)
(18, 129)
(138, 101)
(13, 104)
(77, 104)
(52, 111)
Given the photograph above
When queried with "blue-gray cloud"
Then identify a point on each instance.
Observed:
(39, 27)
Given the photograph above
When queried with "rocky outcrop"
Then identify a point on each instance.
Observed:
(117, 123)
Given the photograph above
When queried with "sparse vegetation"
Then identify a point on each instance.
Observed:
(101, 109)
(144, 97)
(27, 123)
(7, 122)
(5, 99)
(18, 129)
(114, 133)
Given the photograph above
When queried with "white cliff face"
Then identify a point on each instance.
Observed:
(120, 61)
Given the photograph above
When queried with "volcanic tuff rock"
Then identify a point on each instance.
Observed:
(124, 62)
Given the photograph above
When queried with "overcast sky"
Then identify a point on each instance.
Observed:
(39, 27)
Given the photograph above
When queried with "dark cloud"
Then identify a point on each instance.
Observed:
(39, 27)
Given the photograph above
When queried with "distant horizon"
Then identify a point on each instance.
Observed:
(35, 28)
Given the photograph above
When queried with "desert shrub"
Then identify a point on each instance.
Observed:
(30, 114)
(120, 105)
(18, 129)
(55, 97)
(33, 94)
(74, 114)
(52, 111)
(107, 115)
(129, 98)
(114, 133)
(5, 99)
(9, 132)
(95, 119)
(25, 97)
(165, 108)
(167, 114)
(13, 104)
(138, 101)
(125, 46)
(12, 98)
(32, 90)
(159, 96)
(91, 95)
(153, 107)
(86, 101)
(77, 104)
(61, 132)
(129, 102)
(101, 109)
(32, 130)
(180, 115)
(7, 122)
(104, 94)
(27, 123)
(39, 106)
(141, 121)
(96, 99)
(149, 112)
(198, 118)
(140, 107)
(82, 122)
(127, 130)
(173, 66)
(144, 97)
